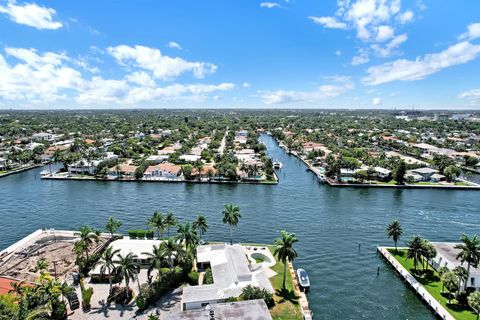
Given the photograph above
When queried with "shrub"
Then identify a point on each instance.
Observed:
(141, 234)
(208, 277)
(59, 310)
(86, 297)
(132, 234)
(251, 293)
(192, 278)
(150, 234)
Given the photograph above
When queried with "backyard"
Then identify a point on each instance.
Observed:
(431, 282)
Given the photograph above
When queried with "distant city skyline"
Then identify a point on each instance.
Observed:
(285, 54)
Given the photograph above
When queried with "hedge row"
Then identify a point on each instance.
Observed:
(140, 234)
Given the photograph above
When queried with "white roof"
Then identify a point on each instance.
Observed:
(135, 246)
(189, 157)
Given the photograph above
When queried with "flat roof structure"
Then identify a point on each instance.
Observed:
(240, 310)
(449, 253)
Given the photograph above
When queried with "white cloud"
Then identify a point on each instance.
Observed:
(246, 85)
(388, 49)
(41, 78)
(473, 32)
(328, 22)
(322, 92)
(384, 33)
(361, 58)
(376, 101)
(407, 70)
(163, 67)
(31, 15)
(338, 53)
(473, 93)
(405, 17)
(269, 5)
(174, 45)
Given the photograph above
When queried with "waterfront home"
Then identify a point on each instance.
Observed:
(83, 167)
(239, 310)
(162, 171)
(311, 146)
(206, 170)
(425, 175)
(231, 270)
(447, 257)
(123, 170)
(3, 164)
(382, 173)
(46, 157)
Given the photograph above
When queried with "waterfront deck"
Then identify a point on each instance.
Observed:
(434, 305)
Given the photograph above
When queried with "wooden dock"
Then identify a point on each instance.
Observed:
(434, 305)
(307, 314)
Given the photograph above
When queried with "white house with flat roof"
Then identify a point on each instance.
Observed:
(231, 270)
(447, 257)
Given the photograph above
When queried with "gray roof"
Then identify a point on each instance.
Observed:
(447, 249)
(424, 170)
(241, 310)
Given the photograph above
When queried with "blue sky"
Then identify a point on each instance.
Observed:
(240, 54)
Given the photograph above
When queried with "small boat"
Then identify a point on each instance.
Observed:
(303, 280)
(277, 164)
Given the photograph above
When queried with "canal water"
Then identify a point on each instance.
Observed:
(330, 223)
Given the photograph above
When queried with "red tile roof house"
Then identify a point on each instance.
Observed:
(163, 171)
(6, 284)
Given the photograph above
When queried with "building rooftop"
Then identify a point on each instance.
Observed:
(240, 310)
(448, 251)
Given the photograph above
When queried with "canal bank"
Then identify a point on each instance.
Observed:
(329, 222)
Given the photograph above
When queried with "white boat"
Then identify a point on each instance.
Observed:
(277, 165)
(303, 280)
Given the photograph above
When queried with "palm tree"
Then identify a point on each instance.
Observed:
(113, 225)
(394, 230)
(65, 290)
(201, 225)
(442, 271)
(429, 252)
(188, 234)
(474, 302)
(170, 249)
(41, 266)
(107, 264)
(231, 214)
(415, 250)
(284, 250)
(127, 268)
(469, 252)
(462, 275)
(170, 221)
(157, 222)
(450, 283)
(17, 288)
(88, 237)
(157, 258)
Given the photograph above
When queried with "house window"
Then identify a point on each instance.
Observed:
(472, 282)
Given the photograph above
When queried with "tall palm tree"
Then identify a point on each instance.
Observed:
(469, 253)
(231, 215)
(429, 252)
(450, 283)
(88, 236)
(157, 258)
(170, 249)
(127, 268)
(188, 234)
(394, 230)
(201, 225)
(284, 250)
(157, 222)
(415, 250)
(170, 222)
(107, 263)
(462, 275)
(17, 288)
(113, 225)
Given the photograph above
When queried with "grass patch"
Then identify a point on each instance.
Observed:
(431, 282)
(286, 300)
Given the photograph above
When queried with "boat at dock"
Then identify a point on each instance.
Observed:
(303, 279)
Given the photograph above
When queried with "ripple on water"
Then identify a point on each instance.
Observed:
(330, 223)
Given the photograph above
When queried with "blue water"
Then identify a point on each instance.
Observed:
(330, 223)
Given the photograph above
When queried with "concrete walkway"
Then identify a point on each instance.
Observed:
(417, 286)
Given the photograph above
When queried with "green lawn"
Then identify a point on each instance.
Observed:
(432, 283)
(286, 301)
